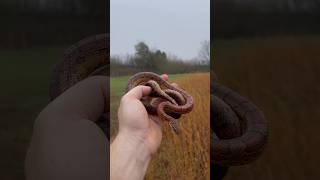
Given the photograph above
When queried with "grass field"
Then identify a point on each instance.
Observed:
(281, 75)
(185, 156)
(25, 77)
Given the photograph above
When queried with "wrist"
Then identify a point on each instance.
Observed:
(129, 157)
(134, 142)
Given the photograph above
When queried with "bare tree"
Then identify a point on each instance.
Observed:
(204, 53)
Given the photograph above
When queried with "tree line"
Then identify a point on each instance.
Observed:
(70, 7)
(233, 20)
(32, 23)
(155, 60)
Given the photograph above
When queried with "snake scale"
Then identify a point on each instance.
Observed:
(166, 101)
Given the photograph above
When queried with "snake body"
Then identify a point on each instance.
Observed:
(166, 100)
(239, 129)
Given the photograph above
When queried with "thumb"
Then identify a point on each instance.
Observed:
(138, 92)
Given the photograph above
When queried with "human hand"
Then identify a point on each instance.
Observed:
(135, 122)
(138, 138)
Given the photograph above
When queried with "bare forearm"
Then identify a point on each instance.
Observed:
(63, 148)
(129, 158)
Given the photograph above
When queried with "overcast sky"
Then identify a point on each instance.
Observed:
(174, 26)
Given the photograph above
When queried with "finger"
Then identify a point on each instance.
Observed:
(138, 92)
(165, 77)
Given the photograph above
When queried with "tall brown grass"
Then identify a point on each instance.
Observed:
(281, 75)
(187, 156)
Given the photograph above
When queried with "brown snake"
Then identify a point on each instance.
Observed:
(166, 100)
(239, 129)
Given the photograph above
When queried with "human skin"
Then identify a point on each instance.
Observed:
(67, 144)
(138, 138)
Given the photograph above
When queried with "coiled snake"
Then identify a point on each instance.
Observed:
(239, 128)
(166, 100)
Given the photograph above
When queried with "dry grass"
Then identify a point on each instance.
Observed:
(281, 75)
(187, 156)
